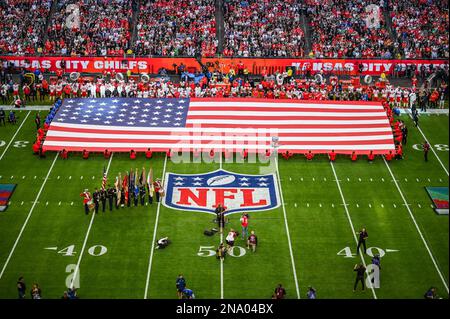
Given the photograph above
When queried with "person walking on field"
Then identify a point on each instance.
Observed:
(362, 240)
(426, 148)
(360, 270)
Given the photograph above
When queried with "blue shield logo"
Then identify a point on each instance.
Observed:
(236, 192)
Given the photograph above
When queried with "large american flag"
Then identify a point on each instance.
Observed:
(122, 124)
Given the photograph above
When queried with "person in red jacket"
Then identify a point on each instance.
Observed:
(132, 155)
(354, 156)
(211, 154)
(85, 154)
(332, 156)
(309, 155)
(36, 147)
(286, 155)
(86, 200)
(169, 153)
(148, 154)
(371, 157)
(106, 154)
(389, 156)
(267, 153)
(244, 153)
(64, 154)
(399, 152)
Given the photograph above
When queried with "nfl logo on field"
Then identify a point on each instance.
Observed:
(236, 192)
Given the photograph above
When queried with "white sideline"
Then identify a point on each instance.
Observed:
(28, 217)
(17, 131)
(75, 273)
(432, 149)
(351, 223)
(287, 229)
(154, 233)
(417, 227)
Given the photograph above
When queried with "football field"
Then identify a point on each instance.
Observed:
(309, 239)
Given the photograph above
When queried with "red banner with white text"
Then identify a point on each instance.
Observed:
(254, 65)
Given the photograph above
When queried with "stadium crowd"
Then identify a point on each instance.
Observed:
(263, 28)
(275, 28)
(103, 29)
(421, 27)
(339, 29)
(22, 23)
(174, 28)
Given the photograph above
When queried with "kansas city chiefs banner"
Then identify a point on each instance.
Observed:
(236, 192)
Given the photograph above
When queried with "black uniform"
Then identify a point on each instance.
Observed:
(111, 194)
(362, 240)
(404, 135)
(150, 197)
(142, 193)
(2, 116)
(103, 199)
(136, 197)
(96, 197)
(360, 270)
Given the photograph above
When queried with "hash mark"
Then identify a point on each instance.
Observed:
(70, 177)
(382, 205)
(395, 206)
(382, 179)
(417, 180)
(420, 206)
(58, 177)
(35, 176)
(81, 177)
(348, 179)
(295, 204)
(332, 205)
(357, 205)
(370, 206)
(406, 179)
(21, 203)
(359, 178)
(23, 177)
(12, 176)
(71, 204)
(93, 177)
(320, 204)
(307, 204)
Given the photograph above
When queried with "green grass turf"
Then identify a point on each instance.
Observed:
(318, 226)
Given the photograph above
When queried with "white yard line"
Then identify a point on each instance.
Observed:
(21, 124)
(287, 229)
(432, 149)
(154, 234)
(75, 273)
(28, 217)
(351, 223)
(444, 281)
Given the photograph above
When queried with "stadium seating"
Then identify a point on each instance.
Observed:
(22, 23)
(339, 29)
(176, 28)
(248, 28)
(103, 30)
(263, 28)
(421, 27)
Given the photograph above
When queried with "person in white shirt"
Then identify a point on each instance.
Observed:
(230, 239)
